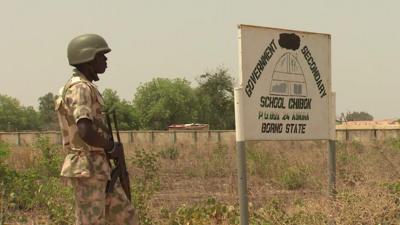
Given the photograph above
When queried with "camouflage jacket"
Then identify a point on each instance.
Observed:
(78, 99)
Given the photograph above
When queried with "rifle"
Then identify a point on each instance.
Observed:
(119, 170)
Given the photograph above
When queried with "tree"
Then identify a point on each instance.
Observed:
(162, 102)
(126, 115)
(215, 94)
(357, 116)
(47, 113)
(29, 119)
(10, 110)
(15, 117)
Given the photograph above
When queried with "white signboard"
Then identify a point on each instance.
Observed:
(285, 85)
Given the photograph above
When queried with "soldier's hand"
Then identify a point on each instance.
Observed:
(116, 151)
(109, 143)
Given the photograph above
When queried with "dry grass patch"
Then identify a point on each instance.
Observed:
(287, 182)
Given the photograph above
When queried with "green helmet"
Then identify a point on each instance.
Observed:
(85, 47)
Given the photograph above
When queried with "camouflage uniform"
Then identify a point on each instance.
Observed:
(87, 167)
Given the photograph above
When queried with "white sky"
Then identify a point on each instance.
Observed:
(184, 38)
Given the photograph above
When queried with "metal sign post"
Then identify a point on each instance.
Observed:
(241, 159)
(332, 168)
(332, 148)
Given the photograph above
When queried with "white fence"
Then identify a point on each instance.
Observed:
(194, 137)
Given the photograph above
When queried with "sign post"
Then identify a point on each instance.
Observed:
(332, 168)
(241, 158)
(332, 151)
(284, 93)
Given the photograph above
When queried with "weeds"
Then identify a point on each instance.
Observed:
(349, 171)
(217, 164)
(393, 187)
(394, 143)
(4, 151)
(49, 161)
(214, 212)
(170, 153)
(208, 212)
(293, 177)
(4, 180)
(260, 163)
(214, 164)
(275, 212)
(367, 206)
(145, 183)
(37, 188)
(265, 165)
(357, 145)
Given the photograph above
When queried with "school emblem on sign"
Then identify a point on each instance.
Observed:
(288, 77)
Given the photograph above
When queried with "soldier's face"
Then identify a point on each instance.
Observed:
(100, 63)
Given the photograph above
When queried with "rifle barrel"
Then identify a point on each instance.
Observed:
(116, 126)
(109, 126)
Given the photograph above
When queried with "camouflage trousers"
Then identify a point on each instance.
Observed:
(93, 206)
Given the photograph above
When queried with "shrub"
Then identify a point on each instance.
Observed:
(171, 153)
(38, 188)
(260, 163)
(275, 212)
(49, 159)
(393, 187)
(208, 212)
(216, 164)
(394, 143)
(357, 145)
(293, 177)
(349, 169)
(5, 181)
(145, 183)
(4, 151)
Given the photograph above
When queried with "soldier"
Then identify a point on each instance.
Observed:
(80, 110)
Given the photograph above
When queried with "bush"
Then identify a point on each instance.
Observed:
(171, 153)
(349, 169)
(216, 164)
(275, 212)
(367, 206)
(393, 187)
(6, 176)
(145, 183)
(208, 212)
(265, 165)
(260, 163)
(58, 201)
(293, 177)
(394, 143)
(4, 151)
(37, 188)
(50, 159)
(5, 173)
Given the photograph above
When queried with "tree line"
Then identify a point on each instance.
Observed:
(155, 105)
